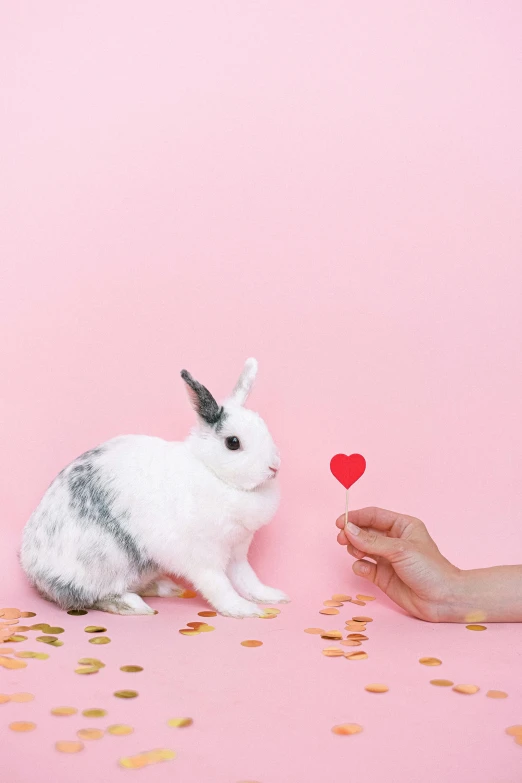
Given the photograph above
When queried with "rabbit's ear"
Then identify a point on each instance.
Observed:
(245, 382)
(203, 402)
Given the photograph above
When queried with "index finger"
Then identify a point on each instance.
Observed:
(379, 519)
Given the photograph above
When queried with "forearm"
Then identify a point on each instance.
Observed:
(486, 595)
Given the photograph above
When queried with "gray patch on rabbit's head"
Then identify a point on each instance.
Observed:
(204, 403)
(93, 500)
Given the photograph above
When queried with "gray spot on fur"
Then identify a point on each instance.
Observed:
(204, 402)
(66, 594)
(92, 498)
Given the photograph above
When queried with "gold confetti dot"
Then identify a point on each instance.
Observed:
(360, 655)
(7, 651)
(28, 614)
(362, 619)
(63, 711)
(94, 629)
(357, 602)
(91, 662)
(131, 668)
(28, 654)
(474, 627)
(21, 698)
(355, 627)
(332, 603)
(69, 746)
(442, 683)
(365, 597)
(52, 640)
(77, 612)
(251, 643)
(94, 712)
(90, 734)
(22, 725)
(179, 723)
(428, 661)
(467, 689)
(120, 730)
(188, 594)
(341, 597)
(10, 614)
(376, 687)
(202, 627)
(189, 631)
(351, 643)
(333, 652)
(496, 695)
(267, 616)
(518, 740)
(359, 636)
(126, 694)
(347, 729)
(53, 630)
(146, 758)
(329, 611)
(87, 670)
(514, 731)
(207, 614)
(331, 635)
(11, 663)
(4, 698)
(16, 638)
(99, 640)
(314, 630)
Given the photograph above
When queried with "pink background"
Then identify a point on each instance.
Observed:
(335, 189)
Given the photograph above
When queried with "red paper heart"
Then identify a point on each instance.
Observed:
(347, 469)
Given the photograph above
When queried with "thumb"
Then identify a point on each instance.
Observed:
(371, 542)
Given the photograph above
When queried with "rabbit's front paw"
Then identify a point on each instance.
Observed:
(270, 595)
(241, 608)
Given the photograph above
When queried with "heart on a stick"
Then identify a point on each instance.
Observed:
(347, 469)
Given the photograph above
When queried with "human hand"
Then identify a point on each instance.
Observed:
(408, 566)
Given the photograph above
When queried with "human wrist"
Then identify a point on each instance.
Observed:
(459, 603)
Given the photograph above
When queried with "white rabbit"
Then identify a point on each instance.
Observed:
(121, 519)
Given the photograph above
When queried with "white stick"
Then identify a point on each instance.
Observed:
(346, 510)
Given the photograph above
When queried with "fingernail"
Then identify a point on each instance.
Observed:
(363, 568)
(353, 529)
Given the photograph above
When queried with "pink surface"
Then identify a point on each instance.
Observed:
(337, 191)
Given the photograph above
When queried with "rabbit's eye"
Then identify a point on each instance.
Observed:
(232, 443)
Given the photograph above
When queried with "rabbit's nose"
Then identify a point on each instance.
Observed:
(274, 470)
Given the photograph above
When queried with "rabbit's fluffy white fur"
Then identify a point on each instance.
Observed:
(123, 518)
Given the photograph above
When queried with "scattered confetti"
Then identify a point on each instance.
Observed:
(346, 729)
(333, 652)
(94, 712)
(28, 654)
(21, 698)
(351, 643)
(52, 640)
(90, 734)
(188, 594)
(178, 723)
(16, 638)
(22, 725)
(91, 662)
(87, 670)
(360, 636)
(69, 746)
(357, 602)
(10, 663)
(496, 694)
(329, 611)
(146, 758)
(10, 614)
(4, 698)
(77, 612)
(365, 597)
(99, 640)
(120, 730)
(467, 689)
(189, 632)
(6, 651)
(514, 731)
(376, 687)
(28, 614)
(201, 627)
(360, 655)
(207, 614)
(332, 603)
(362, 619)
(341, 597)
(314, 630)
(428, 661)
(63, 711)
(131, 668)
(442, 683)
(94, 629)
(126, 694)
(251, 643)
(474, 627)
(331, 635)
